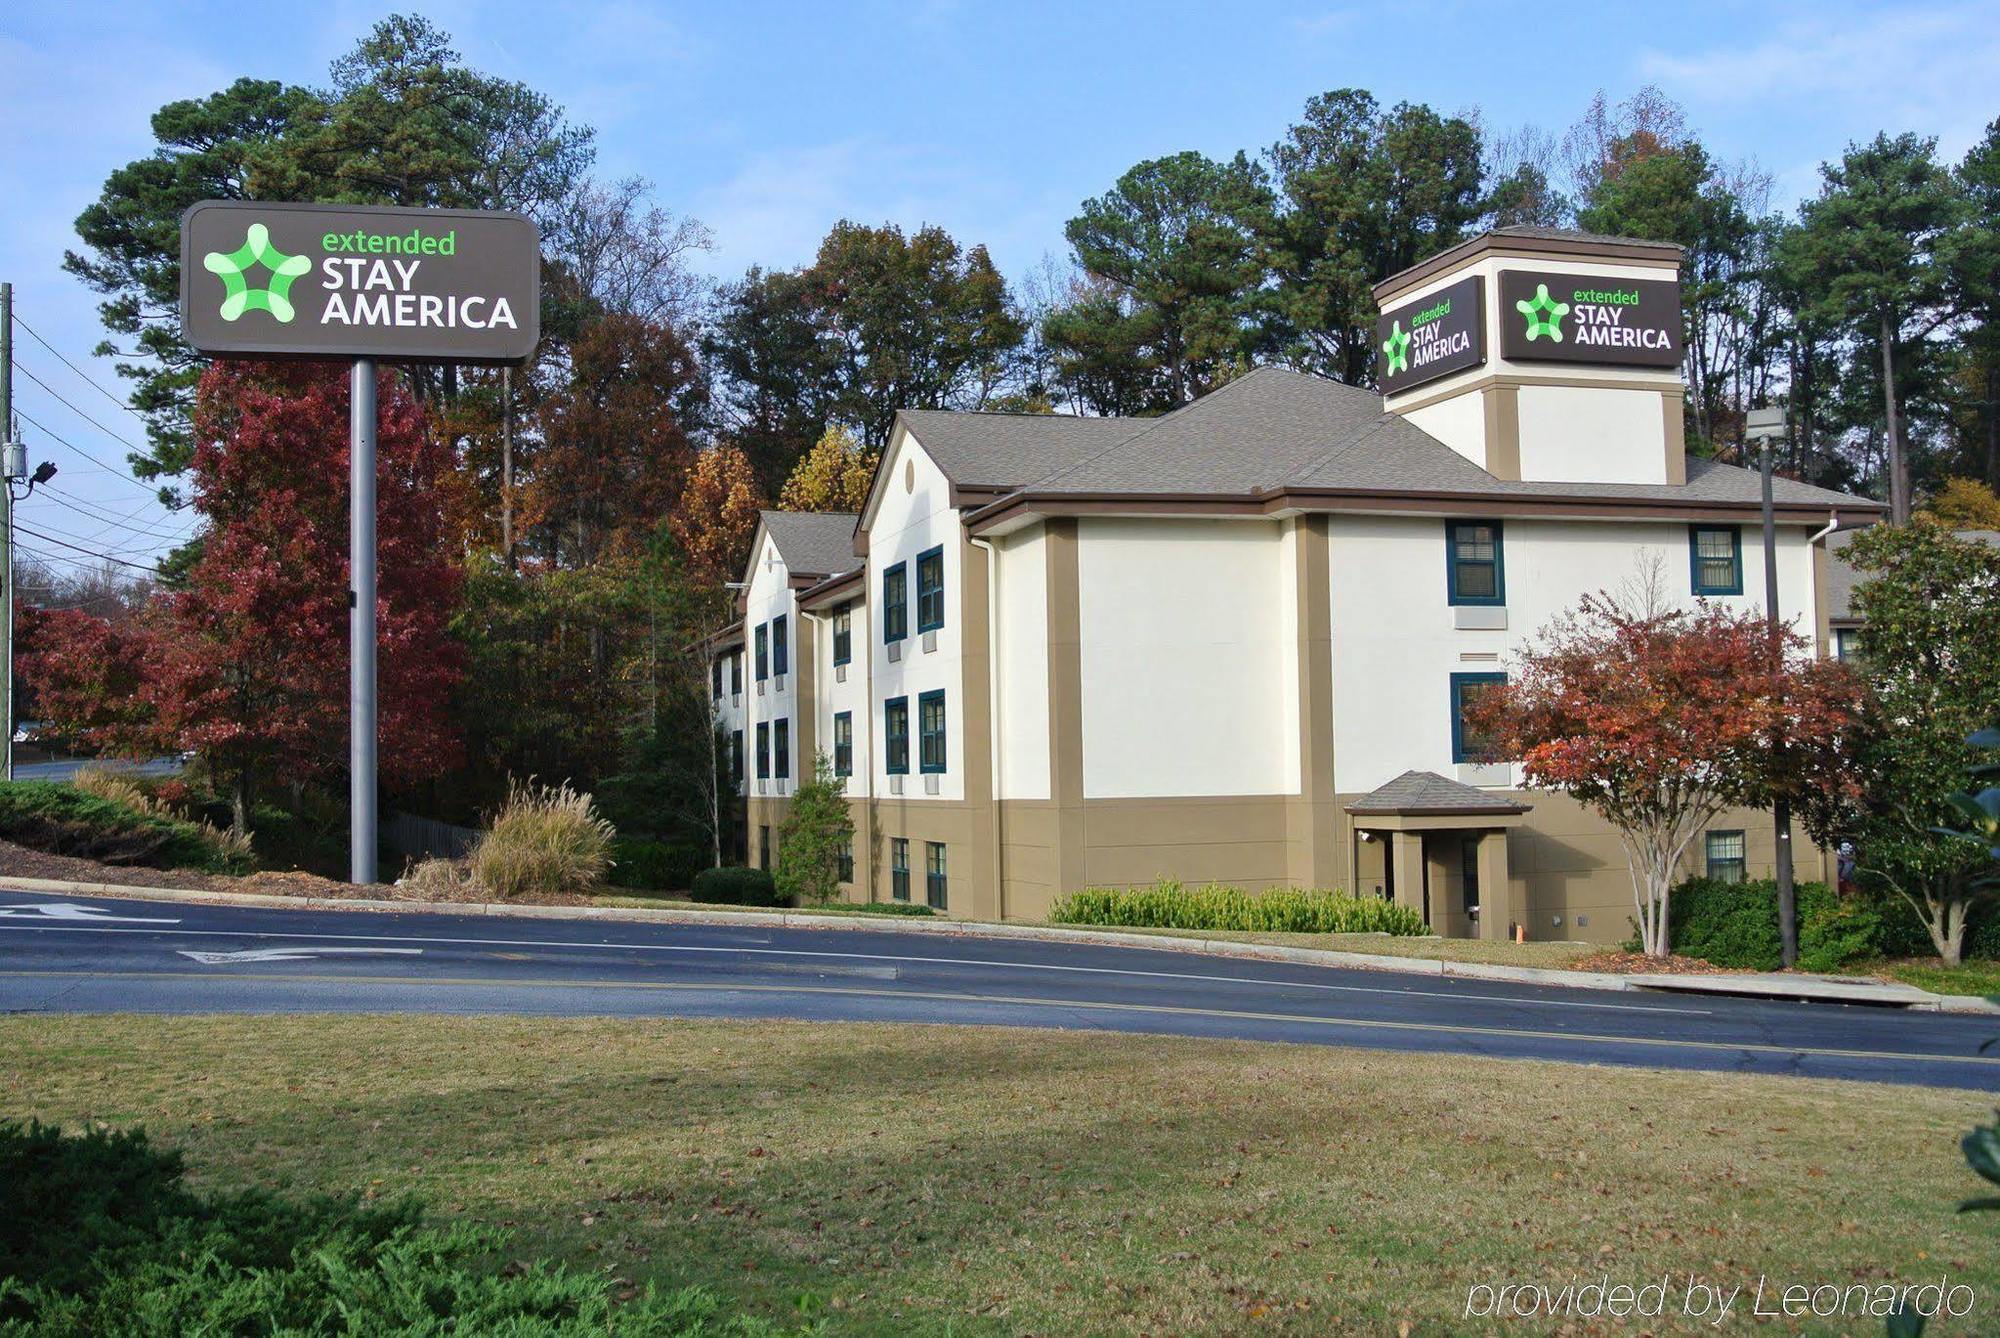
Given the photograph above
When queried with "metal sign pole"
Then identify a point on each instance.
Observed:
(361, 625)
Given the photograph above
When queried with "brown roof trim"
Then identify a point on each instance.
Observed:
(1526, 248)
(831, 585)
(1350, 499)
(1455, 811)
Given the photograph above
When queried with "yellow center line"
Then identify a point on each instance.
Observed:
(1169, 1010)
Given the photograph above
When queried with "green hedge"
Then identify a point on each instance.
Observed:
(62, 820)
(1168, 904)
(655, 866)
(98, 1235)
(736, 887)
(1736, 925)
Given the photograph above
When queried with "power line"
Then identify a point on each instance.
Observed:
(101, 515)
(36, 336)
(22, 368)
(63, 441)
(49, 538)
(149, 549)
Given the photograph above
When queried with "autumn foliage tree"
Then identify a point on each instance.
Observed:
(717, 514)
(1657, 719)
(833, 476)
(245, 661)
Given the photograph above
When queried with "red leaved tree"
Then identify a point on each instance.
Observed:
(1657, 719)
(245, 661)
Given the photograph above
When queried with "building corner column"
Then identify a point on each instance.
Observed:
(1065, 689)
(1406, 851)
(1312, 818)
(976, 713)
(1499, 911)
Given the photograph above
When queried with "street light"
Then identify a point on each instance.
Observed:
(1765, 426)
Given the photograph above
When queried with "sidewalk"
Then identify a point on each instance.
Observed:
(1805, 988)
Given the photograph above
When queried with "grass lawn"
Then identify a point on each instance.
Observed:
(1927, 973)
(967, 1180)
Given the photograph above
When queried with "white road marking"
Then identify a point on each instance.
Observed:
(895, 957)
(70, 910)
(298, 954)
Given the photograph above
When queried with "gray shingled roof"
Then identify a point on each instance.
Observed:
(1276, 429)
(1428, 792)
(813, 543)
(1842, 580)
(1006, 450)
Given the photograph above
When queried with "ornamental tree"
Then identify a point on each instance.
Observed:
(245, 660)
(818, 829)
(833, 476)
(1657, 719)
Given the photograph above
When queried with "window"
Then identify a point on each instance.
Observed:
(930, 733)
(843, 743)
(1847, 643)
(781, 750)
(1466, 744)
(715, 677)
(1476, 572)
(1725, 856)
(843, 634)
(847, 860)
(764, 847)
(736, 672)
(930, 590)
(934, 881)
(899, 868)
(763, 750)
(1715, 552)
(896, 734)
(763, 652)
(895, 608)
(736, 756)
(1468, 866)
(781, 647)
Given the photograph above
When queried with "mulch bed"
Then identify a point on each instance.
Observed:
(1616, 961)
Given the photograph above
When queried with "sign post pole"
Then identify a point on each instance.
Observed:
(361, 625)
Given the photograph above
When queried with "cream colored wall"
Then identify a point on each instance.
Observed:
(1458, 422)
(1395, 645)
(913, 514)
(769, 596)
(1597, 434)
(1020, 650)
(1182, 658)
(851, 696)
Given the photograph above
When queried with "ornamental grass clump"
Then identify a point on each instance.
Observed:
(545, 841)
(1170, 904)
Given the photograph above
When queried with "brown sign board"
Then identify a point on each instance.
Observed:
(1432, 336)
(359, 281)
(1589, 318)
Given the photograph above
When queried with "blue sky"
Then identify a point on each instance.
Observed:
(770, 122)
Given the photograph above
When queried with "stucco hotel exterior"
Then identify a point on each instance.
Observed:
(1232, 642)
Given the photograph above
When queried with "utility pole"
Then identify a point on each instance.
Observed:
(361, 624)
(507, 465)
(10, 450)
(1764, 425)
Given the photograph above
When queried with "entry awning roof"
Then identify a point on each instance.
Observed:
(1427, 794)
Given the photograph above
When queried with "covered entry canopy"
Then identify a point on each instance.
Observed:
(1429, 825)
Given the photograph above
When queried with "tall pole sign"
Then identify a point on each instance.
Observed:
(371, 285)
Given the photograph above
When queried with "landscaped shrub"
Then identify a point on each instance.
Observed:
(887, 908)
(545, 841)
(170, 799)
(655, 866)
(1169, 904)
(1736, 925)
(63, 820)
(99, 1235)
(736, 887)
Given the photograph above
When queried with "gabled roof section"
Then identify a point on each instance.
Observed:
(1843, 580)
(1424, 793)
(813, 543)
(999, 452)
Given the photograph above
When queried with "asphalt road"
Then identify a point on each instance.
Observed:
(115, 955)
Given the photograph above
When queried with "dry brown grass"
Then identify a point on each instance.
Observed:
(931, 1179)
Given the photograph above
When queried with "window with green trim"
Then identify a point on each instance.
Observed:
(1467, 743)
(736, 672)
(763, 750)
(930, 732)
(896, 735)
(1476, 570)
(895, 603)
(899, 868)
(781, 749)
(843, 743)
(781, 646)
(843, 634)
(930, 590)
(846, 873)
(1715, 559)
(736, 756)
(934, 875)
(1725, 852)
(763, 638)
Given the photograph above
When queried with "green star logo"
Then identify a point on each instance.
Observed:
(1396, 348)
(234, 268)
(1544, 315)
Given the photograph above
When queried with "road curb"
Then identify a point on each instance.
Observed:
(1809, 989)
